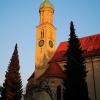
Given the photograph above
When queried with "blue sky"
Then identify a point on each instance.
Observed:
(18, 21)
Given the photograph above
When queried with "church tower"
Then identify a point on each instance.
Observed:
(45, 38)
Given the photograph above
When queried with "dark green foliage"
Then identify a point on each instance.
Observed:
(13, 85)
(1, 88)
(75, 70)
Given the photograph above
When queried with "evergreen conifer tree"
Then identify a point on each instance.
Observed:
(75, 70)
(13, 85)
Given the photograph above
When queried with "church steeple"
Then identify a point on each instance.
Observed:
(45, 37)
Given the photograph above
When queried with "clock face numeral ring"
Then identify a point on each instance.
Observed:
(51, 44)
(41, 43)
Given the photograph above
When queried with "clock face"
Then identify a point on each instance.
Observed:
(41, 43)
(51, 44)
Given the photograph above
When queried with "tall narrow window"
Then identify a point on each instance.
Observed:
(43, 33)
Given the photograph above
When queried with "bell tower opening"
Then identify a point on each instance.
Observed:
(45, 38)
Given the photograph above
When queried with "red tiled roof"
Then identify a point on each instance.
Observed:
(54, 70)
(91, 44)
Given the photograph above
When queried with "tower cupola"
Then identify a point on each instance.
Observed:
(46, 12)
(46, 3)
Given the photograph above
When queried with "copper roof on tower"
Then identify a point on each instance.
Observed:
(46, 3)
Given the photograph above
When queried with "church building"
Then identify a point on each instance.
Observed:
(46, 80)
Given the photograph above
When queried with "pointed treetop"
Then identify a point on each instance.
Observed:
(16, 46)
(15, 54)
(72, 30)
(15, 50)
(15, 59)
(46, 3)
(71, 23)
